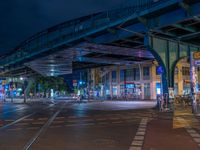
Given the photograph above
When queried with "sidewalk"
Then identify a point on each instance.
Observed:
(21, 100)
(171, 131)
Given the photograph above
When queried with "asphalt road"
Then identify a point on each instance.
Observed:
(66, 125)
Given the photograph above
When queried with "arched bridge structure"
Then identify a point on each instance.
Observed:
(165, 30)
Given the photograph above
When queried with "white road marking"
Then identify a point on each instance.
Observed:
(20, 119)
(16, 121)
(138, 140)
(193, 133)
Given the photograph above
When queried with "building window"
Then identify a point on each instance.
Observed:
(129, 75)
(114, 90)
(122, 75)
(185, 71)
(146, 73)
(147, 93)
(136, 74)
(114, 76)
(158, 88)
(122, 90)
(104, 79)
(107, 78)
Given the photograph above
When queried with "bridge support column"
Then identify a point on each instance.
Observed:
(168, 52)
(27, 86)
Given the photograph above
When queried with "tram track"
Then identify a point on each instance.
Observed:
(24, 117)
(43, 129)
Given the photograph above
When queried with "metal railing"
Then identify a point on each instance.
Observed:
(75, 29)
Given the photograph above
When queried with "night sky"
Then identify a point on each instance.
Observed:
(19, 19)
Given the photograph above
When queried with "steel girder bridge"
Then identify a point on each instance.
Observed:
(165, 30)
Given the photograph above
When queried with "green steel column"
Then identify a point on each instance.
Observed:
(158, 54)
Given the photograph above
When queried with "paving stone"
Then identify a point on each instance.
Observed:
(139, 138)
(196, 135)
(197, 140)
(191, 131)
(142, 129)
(140, 133)
(135, 148)
(137, 143)
(142, 126)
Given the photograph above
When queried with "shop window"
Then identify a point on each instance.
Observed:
(114, 90)
(158, 88)
(185, 71)
(147, 90)
(122, 89)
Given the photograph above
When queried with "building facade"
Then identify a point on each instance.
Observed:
(138, 81)
(182, 78)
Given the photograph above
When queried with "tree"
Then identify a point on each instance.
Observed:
(48, 83)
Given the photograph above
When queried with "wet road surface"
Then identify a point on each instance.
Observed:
(66, 125)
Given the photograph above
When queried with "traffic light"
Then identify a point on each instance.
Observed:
(80, 82)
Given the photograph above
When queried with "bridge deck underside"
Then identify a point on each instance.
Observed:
(88, 55)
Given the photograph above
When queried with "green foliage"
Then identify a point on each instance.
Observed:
(56, 83)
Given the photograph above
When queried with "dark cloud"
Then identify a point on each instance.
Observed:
(20, 19)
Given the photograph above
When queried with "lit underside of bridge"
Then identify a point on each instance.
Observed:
(117, 37)
(62, 62)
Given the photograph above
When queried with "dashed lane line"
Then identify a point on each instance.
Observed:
(16, 121)
(138, 140)
(38, 123)
(20, 119)
(193, 133)
(15, 129)
(43, 118)
(28, 119)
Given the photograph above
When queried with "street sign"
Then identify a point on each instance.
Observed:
(171, 92)
(197, 62)
(159, 70)
(75, 83)
(196, 55)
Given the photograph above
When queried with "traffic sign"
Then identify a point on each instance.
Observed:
(196, 55)
(197, 62)
(159, 70)
(75, 83)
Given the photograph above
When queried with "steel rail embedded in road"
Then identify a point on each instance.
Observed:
(16, 121)
(22, 118)
(42, 129)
